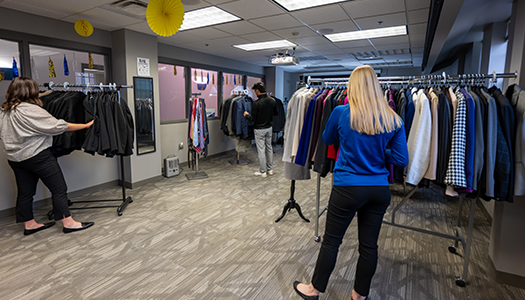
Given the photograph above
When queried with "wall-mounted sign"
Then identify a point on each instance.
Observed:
(143, 67)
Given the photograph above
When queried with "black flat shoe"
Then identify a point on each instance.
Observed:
(305, 297)
(84, 226)
(31, 231)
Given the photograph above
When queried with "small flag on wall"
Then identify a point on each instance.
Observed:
(66, 68)
(195, 75)
(15, 68)
(175, 70)
(208, 78)
(90, 56)
(212, 78)
(52, 73)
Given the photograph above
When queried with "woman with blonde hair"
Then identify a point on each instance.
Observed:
(363, 128)
(26, 131)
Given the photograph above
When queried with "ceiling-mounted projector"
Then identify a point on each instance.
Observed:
(284, 59)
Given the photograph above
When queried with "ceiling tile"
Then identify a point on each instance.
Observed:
(184, 37)
(249, 9)
(207, 33)
(417, 50)
(417, 4)
(397, 58)
(261, 37)
(321, 14)
(328, 51)
(387, 21)
(418, 37)
(313, 40)
(195, 6)
(239, 27)
(417, 29)
(215, 2)
(103, 19)
(326, 46)
(300, 32)
(350, 44)
(341, 26)
(33, 9)
(365, 8)
(277, 22)
(359, 49)
(418, 16)
(390, 40)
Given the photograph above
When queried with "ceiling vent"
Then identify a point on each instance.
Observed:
(371, 55)
(392, 64)
(130, 8)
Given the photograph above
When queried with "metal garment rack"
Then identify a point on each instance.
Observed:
(459, 236)
(195, 156)
(125, 199)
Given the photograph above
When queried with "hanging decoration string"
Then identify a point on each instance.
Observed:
(34, 72)
(227, 79)
(174, 70)
(165, 16)
(212, 78)
(90, 57)
(195, 75)
(52, 73)
(66, 68)
(15, 68)
(208, 78)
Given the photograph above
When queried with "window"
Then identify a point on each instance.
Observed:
(250, 81)
(172, 93)
(204, 82)
(8, 51)
(78, 66)
(230, 83)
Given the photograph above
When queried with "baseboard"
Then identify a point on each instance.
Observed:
(137, 184)
(46, 202)
(507, 278)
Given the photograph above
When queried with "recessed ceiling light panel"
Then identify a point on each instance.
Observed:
(207, 16)
(280, 44)
(291, 5)
(367, 34)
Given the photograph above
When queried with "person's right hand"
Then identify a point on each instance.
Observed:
(90, 123)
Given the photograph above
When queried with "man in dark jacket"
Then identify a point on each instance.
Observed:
(262, 114)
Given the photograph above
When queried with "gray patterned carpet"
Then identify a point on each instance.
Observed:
(216, 238)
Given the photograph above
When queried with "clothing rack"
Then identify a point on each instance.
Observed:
(125, 199)
(459, 236)
(195, 159)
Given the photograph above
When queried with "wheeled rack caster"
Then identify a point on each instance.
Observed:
(452, 249)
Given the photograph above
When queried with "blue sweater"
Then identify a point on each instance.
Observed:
(362, 158)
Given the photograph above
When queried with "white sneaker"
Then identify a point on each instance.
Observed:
(270, 172)
(263, 175)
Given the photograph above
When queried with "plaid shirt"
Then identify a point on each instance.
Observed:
(456, 163)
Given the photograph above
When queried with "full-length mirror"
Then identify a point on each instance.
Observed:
(144, 114)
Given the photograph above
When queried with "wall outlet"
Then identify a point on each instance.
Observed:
(181, 145)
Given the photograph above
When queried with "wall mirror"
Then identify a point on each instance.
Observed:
(144, 114)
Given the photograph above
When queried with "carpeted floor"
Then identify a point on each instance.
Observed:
(216, 238)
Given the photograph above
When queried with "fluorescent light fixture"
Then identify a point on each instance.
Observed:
(207, 16)
(291, 5)
(266, 45)
(367, 34)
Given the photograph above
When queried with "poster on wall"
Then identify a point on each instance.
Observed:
(143, 67)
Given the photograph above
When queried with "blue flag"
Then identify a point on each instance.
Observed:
(66, 69)
(15, 69)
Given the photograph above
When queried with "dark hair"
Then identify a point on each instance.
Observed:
(259, 86)
(21, 89)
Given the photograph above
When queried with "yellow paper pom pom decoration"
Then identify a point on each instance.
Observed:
(165, 16)
(51, 66)
(83, 28)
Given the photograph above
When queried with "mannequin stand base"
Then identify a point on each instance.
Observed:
(237, 162)
(291, 204)
(197, 175)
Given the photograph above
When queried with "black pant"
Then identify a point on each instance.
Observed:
(370, 203)
(42, 166)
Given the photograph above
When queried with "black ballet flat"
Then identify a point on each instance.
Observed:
(305, 297)
(85, 225)
(31, 231)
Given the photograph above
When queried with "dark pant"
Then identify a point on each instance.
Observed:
(370, 203)
(42, 166)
